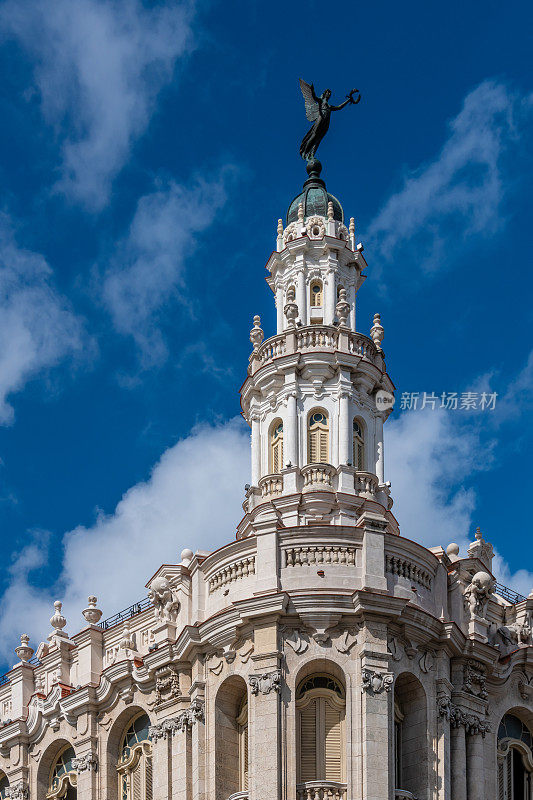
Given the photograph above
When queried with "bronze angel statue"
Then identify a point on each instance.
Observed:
(318, 111)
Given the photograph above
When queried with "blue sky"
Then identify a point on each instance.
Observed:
(146, 153)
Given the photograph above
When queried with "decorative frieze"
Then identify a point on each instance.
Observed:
(303, 555)
(18, 792)
(376, 682)
(232, 572)
(396, 565)
(265, 683)
(457, 716)
(180, 723)
(86, 763)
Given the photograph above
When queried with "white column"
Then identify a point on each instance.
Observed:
(380, 453)
(301, 299)
(279, 309)
(329, 298)
(344, 429)
(292, 432)
(474, 767)
(256, 450)
(351, 295)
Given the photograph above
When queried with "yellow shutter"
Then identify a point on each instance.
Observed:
(333, 740)
(148, 775)
(136, 782)
(313, 448)
(323, 453)
(308, 742)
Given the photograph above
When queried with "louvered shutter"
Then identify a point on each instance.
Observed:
(136, 782)
(245, 757)
(308, 742)
(509, 775)
(323, 454)
(313, 446)
(501, 781)
(333, 743)
(149, 778)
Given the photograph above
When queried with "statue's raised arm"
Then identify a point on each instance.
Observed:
(318, 111)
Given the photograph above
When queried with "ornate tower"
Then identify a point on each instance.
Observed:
(317, 393)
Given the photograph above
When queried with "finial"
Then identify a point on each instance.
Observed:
(126, 641)
(330, 210)
(91, 613)
(478, 534)
(377, 332)
(24, 651)
(301, 213)
(57, 621)
(39, 684)
(342, 308)
(256, 334)
(280, 227)
(352, 225)
(186, 557)
(452, 551)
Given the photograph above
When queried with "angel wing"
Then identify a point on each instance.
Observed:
(311, 105)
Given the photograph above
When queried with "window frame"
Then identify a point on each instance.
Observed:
(324, 696)
(275, 445)
(140, 751)
(320, 431)
(65, 780)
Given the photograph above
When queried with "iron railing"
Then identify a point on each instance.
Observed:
(508, 594)
(127, 613)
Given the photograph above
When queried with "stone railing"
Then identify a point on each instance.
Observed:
(404, 568)
(317, 475)
(402, 794)
(365, 483)
(274, 347)
(232, 572)
(270, 485)
(320, 790)
(301, 555)
(316, 337)
(239, 795)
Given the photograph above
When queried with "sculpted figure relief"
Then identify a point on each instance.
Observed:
(164, 599)
(477, 594)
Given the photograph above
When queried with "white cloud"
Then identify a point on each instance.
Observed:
(192, 499)
(38, 329)
(148, 265)
(99, 66)
(442, 204)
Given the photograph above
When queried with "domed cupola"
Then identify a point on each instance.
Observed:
(314, 197)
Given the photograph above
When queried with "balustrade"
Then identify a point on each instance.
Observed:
(318, 474)
(271, 485)
(232, 572)
(320, 790)
(300, 555)
(396, 565)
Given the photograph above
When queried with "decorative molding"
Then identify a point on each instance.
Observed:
(181, 723)
(18, 792)
(265, 683)
(456, 716)
(167, 683)
(474, 679)
(86, 763)
(376, 682)
(296, 641)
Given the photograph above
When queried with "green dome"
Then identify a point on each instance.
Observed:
(314, 197)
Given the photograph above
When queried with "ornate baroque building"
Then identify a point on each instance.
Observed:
(318, 656)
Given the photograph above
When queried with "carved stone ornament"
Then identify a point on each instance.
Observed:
(376, 682)
(315, 227)
(510, 637)
(474, 679)
(86, 763)
(256, 334)
(345, 642)
(24, 651)
(456, 716)
(92, 614)
(164, 599)
(297, 641)
(181, 723)
(167, 684)
(18, 792)
(265, 683)
(478, 593)
(342, 308)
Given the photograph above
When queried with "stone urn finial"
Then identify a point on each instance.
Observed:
(256, 334)
(301, 213)
(377, 332)
(57, 621)
(280, 227)
(24, 651)
(342, 308)
(330, 210)
(91, 613)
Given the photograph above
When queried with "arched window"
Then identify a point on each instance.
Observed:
(358, 445)
(321, 704)
(276, 446)
(411, 753)
(242, 722)
(135, 761)
(515, 760)
(318, 438)
(315, 294)
(4, 784)
(63, 776)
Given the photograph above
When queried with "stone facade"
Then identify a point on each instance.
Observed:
(320, 654)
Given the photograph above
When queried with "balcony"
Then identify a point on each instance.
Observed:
(239, 795)
(321, 790)
(271, 485)
(318, 476)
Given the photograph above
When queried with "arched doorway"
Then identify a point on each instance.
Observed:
(231, 738)
(410, 736)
